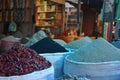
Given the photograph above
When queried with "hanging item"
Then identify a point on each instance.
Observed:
(108, 11)
(117, 10)
(107, 31)
(95, 4)
(108, 7)
(12, 27)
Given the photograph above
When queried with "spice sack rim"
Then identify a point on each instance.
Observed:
(89, 63)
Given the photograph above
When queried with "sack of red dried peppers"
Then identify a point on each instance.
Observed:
(20, 60)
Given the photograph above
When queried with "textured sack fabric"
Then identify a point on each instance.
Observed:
(47, 74)
(57, 59)
(93, 71)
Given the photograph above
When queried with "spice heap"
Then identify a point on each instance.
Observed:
(78, 43)
(47, 45)
(36, 37)
(97, 51)
(21, 60)
(60, 41)
(10, 38)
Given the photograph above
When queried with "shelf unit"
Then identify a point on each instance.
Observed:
(48, 15)
(71, 18)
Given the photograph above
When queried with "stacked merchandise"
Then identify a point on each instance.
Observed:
(108, 10)
(107, 30)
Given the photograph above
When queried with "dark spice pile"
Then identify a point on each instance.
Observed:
(47, 45)
(21, 60)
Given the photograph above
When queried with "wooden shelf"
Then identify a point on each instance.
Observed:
(48, 14)
(46, 11)
(72, 23)
(46, 19)
(46, 26)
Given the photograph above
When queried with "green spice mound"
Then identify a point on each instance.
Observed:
(78, 43)
(98, 50)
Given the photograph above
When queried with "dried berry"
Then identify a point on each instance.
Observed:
(21, 60)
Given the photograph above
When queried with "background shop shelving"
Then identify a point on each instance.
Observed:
(48, 15)
(19, 11)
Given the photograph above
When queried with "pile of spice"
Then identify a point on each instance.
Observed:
(78, 43)
(21, 60)
(47, 45)
(9, 38)
(60, 41)
(98, 50)
(36, 37)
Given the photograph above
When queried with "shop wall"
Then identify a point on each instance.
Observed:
(88, 20)
(1, 29)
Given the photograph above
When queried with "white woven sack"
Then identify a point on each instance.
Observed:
(47, 74)
(93, 71)
(57, 59)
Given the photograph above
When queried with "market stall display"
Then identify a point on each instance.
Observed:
(22, 63)
(97, 60)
